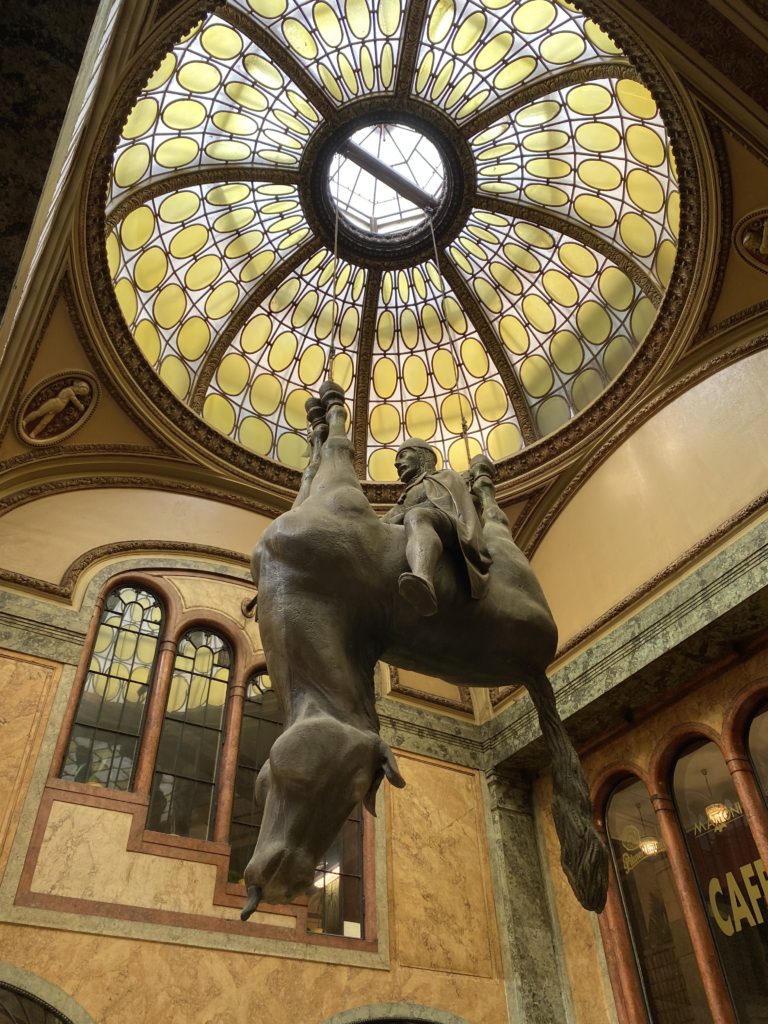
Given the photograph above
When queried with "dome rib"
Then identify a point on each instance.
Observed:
(413, 30)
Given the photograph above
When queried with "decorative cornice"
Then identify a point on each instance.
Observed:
(463, 703)
(733, 320)
(723, 169)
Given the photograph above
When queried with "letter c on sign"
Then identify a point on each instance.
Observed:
(723, 923)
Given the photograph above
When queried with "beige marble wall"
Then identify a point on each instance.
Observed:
(203, 592)
(26, 690)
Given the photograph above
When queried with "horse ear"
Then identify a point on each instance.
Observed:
(387, 769)
(391, 770)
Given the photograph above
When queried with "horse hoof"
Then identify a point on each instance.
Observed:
(418, 592)
(254, 898)
(331, 394)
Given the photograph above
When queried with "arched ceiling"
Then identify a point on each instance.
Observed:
(527, 296)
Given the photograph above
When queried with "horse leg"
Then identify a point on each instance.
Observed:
(337, 470)
(482, 473)
(582, 854)
(316, 420)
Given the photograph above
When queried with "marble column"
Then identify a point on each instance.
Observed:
(534, 985)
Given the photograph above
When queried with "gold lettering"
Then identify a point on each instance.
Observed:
(762, 877)
(748, 875)
(739, 908)
(723, 923)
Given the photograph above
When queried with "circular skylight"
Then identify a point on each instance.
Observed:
(387, 178)
(518, 129)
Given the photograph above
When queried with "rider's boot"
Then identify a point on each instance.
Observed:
(418, 592)
(422, 551)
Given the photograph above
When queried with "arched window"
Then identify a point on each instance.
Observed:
(19, 1007)
(104, 741)
(670, 980)
(731, 876)
(182, 800)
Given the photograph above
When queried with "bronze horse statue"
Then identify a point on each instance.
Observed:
(329, 608)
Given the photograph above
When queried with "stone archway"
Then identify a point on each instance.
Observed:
(395, 1013)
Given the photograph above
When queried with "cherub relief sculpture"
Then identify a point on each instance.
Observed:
(752, 238)
(438, 586)
(56, 408)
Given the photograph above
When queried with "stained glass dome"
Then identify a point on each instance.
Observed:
(464, 211)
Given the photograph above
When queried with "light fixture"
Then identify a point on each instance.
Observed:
(649, 844)
(717, 813)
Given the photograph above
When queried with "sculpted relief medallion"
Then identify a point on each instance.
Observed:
(751, 236)
(57, 407)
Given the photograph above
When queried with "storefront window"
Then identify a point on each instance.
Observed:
(669, 976)
(731, 876)
(758, 750)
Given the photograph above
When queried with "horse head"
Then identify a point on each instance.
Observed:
(317, 771)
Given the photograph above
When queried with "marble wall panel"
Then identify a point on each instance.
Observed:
(444, 918)
(26, 690)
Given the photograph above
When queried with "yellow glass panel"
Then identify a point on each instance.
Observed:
(132, 165)
(358, 18)
(199, 76)
(409, 328)
(497, 152)
(616, 288)
(492, 170)
(491, 401)
(141, 118)
(244, 244)
(418, 282)
(442, 79)
(176, 152)
(645, 145)
(229, 194)
(536, 376)
(194, 336)
(599, 174)
(327, 24)
(350, 321)
(498, 187)
(266, 392)
(184, 114)
(468, 33)
(233, 373)
(234, 220)
(645, 190)
(521, 257)
(617, 355)
(482, 233)
(534, 236)
(430, 319)
(203, 272)
(441, 20)
(665, 261)
(148, 340)
(403, 287)
(234, 123)
(425, 70)
(385, 330)
(566, 351)
(547, 195)
(292, 123)
(415, 376)
(595, 210)
(255, 435)
(578, 259)
(342, 371)
(598, 137)
(388, 16)
(457, 453)
(534, 16)
(638, 234)
(459, 89)
(257, 265)
(594, 322)
(538, 313)
(506, 278)
(218, 411)
(455, 412)
(137, 228)
(263, 72)
(163, 72)
(311, 364)
(226, 149)
(643, 316)
(304, 309)
(285, 295)
(326, 320)
(589, 99)
(673, 213)
(560, 288)
(474, 358)
(454, 315)
(514, 73)
(445, 369)
(222, 42)
(295, 410)
(586, 388)
(268, 8)
(151, 267)
(494, 51)
(546, 167)
(348, 74)
(330, 83)
(600, 39)
(537, 113)
(434, 275)
(504, 440)
(178, 207)
(385, 377)
(282, 351)
(514, 334)
(635, 99)
(421, 420)
(284, 206)
(342, 278)
(488, 295)
(221, 300)
(543, 142)
(381, 465)
(562, 47)
(385, 423)
(552, 414)
(169, 306)
(175, 374)
(255, 333)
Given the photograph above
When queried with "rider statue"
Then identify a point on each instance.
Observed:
(438, 512)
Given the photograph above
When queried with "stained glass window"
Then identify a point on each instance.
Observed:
(104, 742)
(19, 1007)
